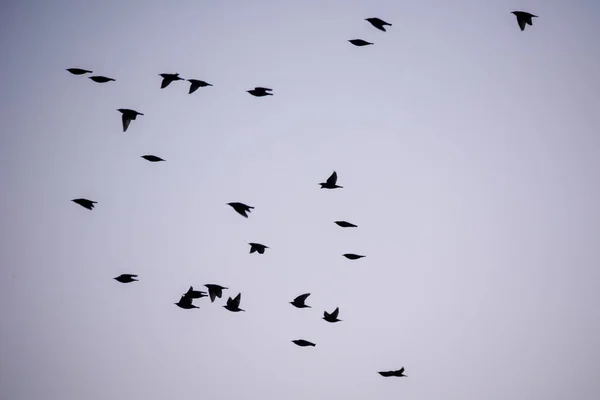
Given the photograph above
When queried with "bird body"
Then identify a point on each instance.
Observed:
(195, 84)
(351, 256)
(152, 158)
(359, 42)
(303, 343)
(79, 71)
(128, 116)
(257, 247)
(126, 278)
(398, 373)
(345, 224)
(241, 208)
(333, 317)
(101, 79)
(378, 23)
(233, 305)
(214, 291)
(168, 78)
(186, 303)
(299, 301)
(85, 203)
(331, 182)
(260, 91)
(524, 18)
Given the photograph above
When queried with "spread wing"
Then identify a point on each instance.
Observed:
(165, 82)
(335, 313)
(212, 294)
(236, 301)
(332, 180)
(302, 298)
(400, 371)
(263, 89)
(126, 121)
(194, 86)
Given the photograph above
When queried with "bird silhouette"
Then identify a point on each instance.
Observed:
(241, 208)
(260, 92)
(186, 303)
(351, 256)
(79, 71)
(168, 78)
(333, 317)
(299, 301)
(345, 224)
(303, 343)
(128, 116)
(378, 23)
(101, 79)
(214, 291)
(397, 373)
(126, 278)
(257, 247)
(234, 304)
(85, 203)
(359, 42)
(195, 84)
(195, 294)
(331, 182)
(524, 18)
(152, 158)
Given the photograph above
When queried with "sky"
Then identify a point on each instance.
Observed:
(468, 155)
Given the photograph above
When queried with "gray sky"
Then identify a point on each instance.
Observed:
(468, 152)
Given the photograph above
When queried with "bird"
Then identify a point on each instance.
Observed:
(303, 343)
(79, 71)
(331, 182)
(398, 373)
(89, 204)
(214, 291)
(101, 79)
(168, 78)
(359, 42)
(152, 158)
(378, 23)
(128, 116)
(260, 91)
(241, 208)
(195, 84)
(186, 303)
(234, 304)
(257, 247)
(195, 294)
(299, 301)
(524, 18)
(126, 278)
(345, 224)
(333, 317)
(351, 256)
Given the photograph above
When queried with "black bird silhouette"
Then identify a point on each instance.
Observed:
(195, 84)
(195, 294)
(234, 304)
(214, 291)
(378, 23)
(126, 278)
(89, 204)
(333, 317)
(299, 301)
(186, 303)
(303, 343)
(101, 79)
(168, 78)
(331, 182)
(257, 247)
(524, 18)
(152, 158)
(359, 42)
(79, 71)
(398, 373)
(260, 91)
(351, 256)
(241, 208)
(345, 224)
(128, 116)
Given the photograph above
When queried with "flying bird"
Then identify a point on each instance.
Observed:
(359, 42)
(79, 71)
(195, 84)
(303, 343)
(186, 303)
(152, 158)
(524, 18)
(241, 208)
(195, 294)
(331, 182)
(257, 247)
(101, 79)
(89, 204)
(234, 304)
(333, 317)
(128, 116)
(378, 23)
(299, 301)
(351, 256)
(260, 92)
(397, 373)
(214, 291)
(168, 78)
(126, 278)
(345, 224)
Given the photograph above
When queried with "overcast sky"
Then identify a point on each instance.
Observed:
(469, 155)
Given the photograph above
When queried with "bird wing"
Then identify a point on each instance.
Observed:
(400, 371)
(332, 179)
(335, 313)
(194, 86)
(126, 122)
(165, 82)
(236, 301)
(521, 20)
(185, 300)
(302, 298)
(263, 89)
(212, 294)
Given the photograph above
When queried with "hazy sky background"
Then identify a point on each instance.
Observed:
(469, 155)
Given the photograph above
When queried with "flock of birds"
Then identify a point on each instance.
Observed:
(214, 290)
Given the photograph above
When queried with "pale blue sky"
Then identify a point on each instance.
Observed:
(468, 151)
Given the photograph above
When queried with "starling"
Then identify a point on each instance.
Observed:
(79, 71)
(101, 79)
(168, 78)
(89, 204)
(257, 247)
(299, 301)
(260, 92)
(331, 182)
(524, 18)
(128, 116)
(359, 42)
(345, 224)
(214, 291)
(126, 278)
(195, 84)
(152, 158)
(234, 304)
(333, 317)
(241, 208)
(397, 373)
(303, 343)
(195, 294)
(378, 23)
(351, 256)
(186, 303)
